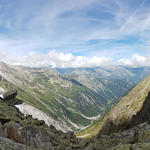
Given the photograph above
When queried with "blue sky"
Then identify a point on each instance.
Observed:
(87, 32)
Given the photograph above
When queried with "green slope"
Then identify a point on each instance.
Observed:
(64, 99)
(120, 115)
(73, 99)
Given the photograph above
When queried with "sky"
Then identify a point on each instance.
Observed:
(75, 33)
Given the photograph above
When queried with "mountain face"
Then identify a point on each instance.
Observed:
(114, 72)
(131, 110)
(120, 114)
(127, 125)
(69, 103)
(23, 132)
(73, 99)
(70, 99)
(107, 81)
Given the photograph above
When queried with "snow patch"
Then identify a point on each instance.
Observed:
(36, 113)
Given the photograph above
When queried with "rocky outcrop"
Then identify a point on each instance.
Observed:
(37, 137)
(7, 144)
(143, 115)
(138, 146)
(12, 131)
(9, 95)
(24, 132)
(132, 139)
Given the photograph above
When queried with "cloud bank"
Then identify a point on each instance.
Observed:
(135, 60)
(57, 59)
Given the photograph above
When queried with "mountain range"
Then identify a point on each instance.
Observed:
(123, 121)
(70, 99)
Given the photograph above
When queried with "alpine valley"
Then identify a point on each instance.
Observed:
(108, 108)
(70, 99)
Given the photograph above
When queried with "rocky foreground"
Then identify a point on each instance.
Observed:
(19, 132)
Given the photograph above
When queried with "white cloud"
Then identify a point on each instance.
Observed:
(67, 60)
(58, 59)
(135, 60)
